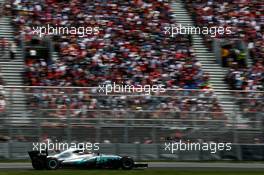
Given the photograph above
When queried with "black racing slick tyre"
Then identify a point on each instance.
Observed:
(38, 164)
(127, 163)
(52, 164)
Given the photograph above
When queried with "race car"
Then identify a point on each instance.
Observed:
(75, 158)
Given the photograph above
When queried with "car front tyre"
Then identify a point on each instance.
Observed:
(127, 163)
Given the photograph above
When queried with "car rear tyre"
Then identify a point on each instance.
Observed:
(127, 163)
(52, 164)
(38, 164)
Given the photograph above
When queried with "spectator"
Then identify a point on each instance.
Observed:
(3, 44)
(2, 93)
(12, 50)
(2, 104)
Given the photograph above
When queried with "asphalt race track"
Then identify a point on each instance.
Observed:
(159, 165)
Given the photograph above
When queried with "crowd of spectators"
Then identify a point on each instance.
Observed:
(131, 48)
(250, 80)
(84, 103)
(246, 19)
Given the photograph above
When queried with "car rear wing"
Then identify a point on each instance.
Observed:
(38, 159)
(37, 154)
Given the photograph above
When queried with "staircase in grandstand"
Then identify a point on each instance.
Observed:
(12, 71)
(207, 59)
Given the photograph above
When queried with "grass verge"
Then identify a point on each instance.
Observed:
(133, 172)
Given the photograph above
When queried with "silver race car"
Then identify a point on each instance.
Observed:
(75, 158)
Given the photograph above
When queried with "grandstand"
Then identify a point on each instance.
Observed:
(51, 87)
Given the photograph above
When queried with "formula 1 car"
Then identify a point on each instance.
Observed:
(74, 158)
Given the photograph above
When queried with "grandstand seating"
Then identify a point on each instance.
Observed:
(130, 49)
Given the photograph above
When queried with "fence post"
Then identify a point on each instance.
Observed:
(125, 134)
(9, 155)
(69, 134)
(39, 119)
(9, 124)
(98, 133)
(235, 139)
(138, 152)
(117, 148)
(154, 134)
(159, 149)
